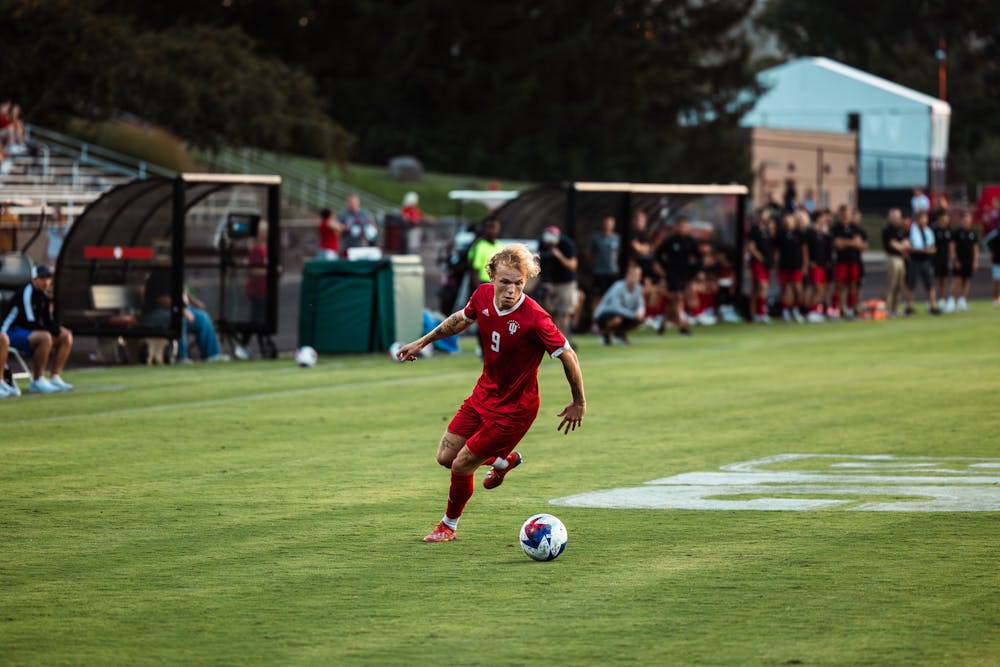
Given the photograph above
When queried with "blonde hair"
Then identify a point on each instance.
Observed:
(516, 256)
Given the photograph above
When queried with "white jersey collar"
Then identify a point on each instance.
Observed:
(510, 310)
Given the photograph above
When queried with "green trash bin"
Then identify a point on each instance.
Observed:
(347, 306)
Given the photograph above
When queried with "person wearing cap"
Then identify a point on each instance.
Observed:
(27, 322)
(559, 262)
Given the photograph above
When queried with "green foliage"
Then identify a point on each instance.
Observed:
(261, 513)
(204, 83)
(898, 41)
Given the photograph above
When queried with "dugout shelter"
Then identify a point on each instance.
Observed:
(192, 232)
(717, 214)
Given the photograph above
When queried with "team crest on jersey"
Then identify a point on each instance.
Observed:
(513, 326)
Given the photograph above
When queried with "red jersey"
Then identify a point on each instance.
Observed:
(514, 342)
(328, 239)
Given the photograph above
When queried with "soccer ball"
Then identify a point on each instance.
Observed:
(306, 356)
(543, 537)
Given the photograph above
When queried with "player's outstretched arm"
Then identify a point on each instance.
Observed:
(453, 324)
(573, 413)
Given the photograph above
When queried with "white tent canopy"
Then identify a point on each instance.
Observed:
(902, 133)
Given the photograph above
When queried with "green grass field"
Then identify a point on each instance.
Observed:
(259, 513)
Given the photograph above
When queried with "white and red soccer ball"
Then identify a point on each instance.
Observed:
(543, 537)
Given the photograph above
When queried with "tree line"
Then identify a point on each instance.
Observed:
(544, 91)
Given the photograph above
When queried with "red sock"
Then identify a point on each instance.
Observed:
(459, 493)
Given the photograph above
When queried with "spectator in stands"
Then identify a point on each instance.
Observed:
(760, 246)
(944, 257)
(360, 229)
(415, 219)
(621, 308)
(848, 244)
(559, 262)
(819, 247)
(992, 241)
(603, 251)
(678, 258)
(330, 230)
(11, 389)
(9, 222)
(919, 203)
(895, 242)
(156, 312)
(792, 256)
(922, 252)
(966, 244)
(27, 321)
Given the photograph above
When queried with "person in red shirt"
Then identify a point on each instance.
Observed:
(515, 333)
(330, 230)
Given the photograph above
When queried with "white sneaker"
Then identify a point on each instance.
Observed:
(949, 306)
(42, 386)
(797, 316)
(963, 305)
(241, 353)
(12, 388)
(786, 315)
(940, 304)
(60, 384)
(816, 317)
(5, 390)
(221, 356)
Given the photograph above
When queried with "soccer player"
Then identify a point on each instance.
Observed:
(679, 258)
(944, 258)
(760, 245)
(790, 246)
(848, 241)
(966, 243)
(819, 255)
(515, 332)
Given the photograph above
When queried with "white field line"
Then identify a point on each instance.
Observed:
(232, 400)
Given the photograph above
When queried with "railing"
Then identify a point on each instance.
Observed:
(300, 186)
(83, 153)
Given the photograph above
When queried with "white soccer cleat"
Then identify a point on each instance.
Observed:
(60, 384)
(42, 386)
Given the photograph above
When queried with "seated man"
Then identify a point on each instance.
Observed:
(156, 312)
(28, 324)
(622, 308)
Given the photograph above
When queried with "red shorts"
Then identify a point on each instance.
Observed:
(487, 435)
(817, 275)
(846, 273)
(794, 276)
(760, 273)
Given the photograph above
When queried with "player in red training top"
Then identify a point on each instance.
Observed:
(515, 333)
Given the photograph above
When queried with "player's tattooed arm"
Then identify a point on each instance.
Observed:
(453, 324)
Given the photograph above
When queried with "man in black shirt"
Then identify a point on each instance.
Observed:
(679, 258)
(895, 241)
(819, 246)
(760, 245)
(944, 257)
(27, 322)
(966, 244)
(790, 246)
(848, 242)
(559, 262)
